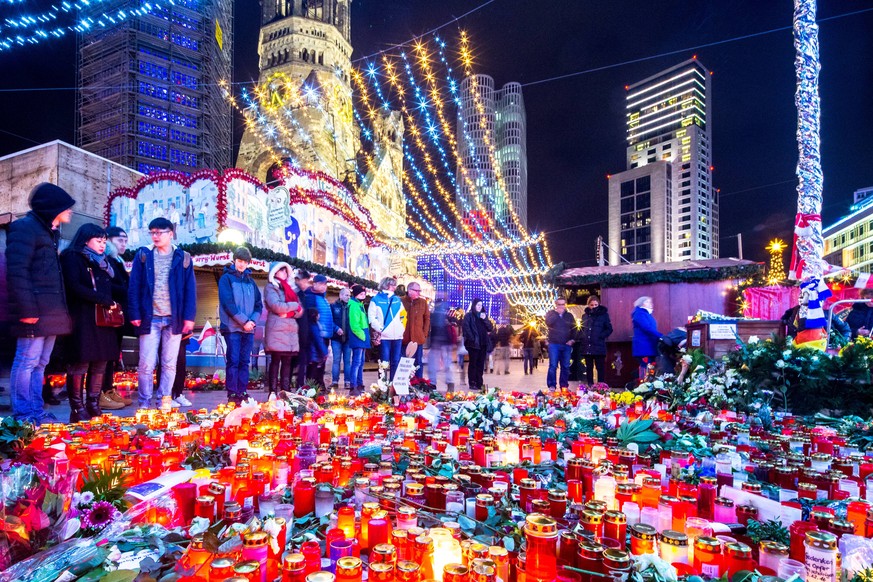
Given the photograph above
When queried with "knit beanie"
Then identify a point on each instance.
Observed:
(48, 201)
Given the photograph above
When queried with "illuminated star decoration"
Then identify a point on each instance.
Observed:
(776, 273)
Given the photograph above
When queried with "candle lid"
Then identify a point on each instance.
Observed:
(615, 517)
(738, 550)
(643, 531)
(384, 550)
(246, 567)
(709, 480)
(349, 564)
(591, 516)
(406, 511)
(484, 569)
(294, 562)
(498, 553)
(557, 495)
(236, 579)
(674, 538)
(821, 539)
(539, 525)
(596, 505)
(724, 502)
(206, 499)
(773, 547)
(255, 539)
(320, 577)
(456, 569)
(381, 567)
(407, 566)
(709, 544)
(614, 557)
(221, 563)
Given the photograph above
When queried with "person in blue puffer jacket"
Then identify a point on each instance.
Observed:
(240, 306)
(388, 321)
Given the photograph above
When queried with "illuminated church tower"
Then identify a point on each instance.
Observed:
(305, 44)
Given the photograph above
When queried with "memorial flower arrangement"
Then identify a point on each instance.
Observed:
(487, 412)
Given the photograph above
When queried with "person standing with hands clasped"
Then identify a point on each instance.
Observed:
(37, 301)
(562, 330)
(281, 339)
(477, 339)
(239, 306)
(162, 298)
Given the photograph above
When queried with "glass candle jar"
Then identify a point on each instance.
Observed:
(255, 549)
(592, 522)
(483, 502)
(706, 497)
(294, 568)
(304, 498)
(674, 547)
(455, 573)
(745, 513)
(769, 554)
(643, 539)
(220, 569)
(324, 500)
(737, 557)
(386, 553)
(557, 503)
(590, 555)
(541, 534)
(380, 572)
(797, 535)
(615, 527)
(822, 559)
(349, 569)
(616, 563)
(407, 518)
(407, 571)
(500, 556)
(248, 569)
(377, 529)
(707, 557)
(650, 493)
(724, 510)
(205, 507)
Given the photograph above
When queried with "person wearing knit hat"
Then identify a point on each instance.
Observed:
(359, 338)
(37, 300)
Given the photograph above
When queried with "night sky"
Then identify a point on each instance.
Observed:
(575, 125)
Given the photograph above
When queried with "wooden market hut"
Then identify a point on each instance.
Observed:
(679, 290)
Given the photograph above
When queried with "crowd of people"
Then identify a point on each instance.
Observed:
(70, 298)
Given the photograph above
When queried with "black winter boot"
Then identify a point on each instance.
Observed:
(95, 388)
(76, 396)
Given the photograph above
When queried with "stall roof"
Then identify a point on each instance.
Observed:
(675, 272)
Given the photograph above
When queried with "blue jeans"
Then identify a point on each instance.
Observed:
(559, 352)
(389, 351)
(356, 376)
(239, 354)
(342, 354)
(527, 356)
(32, 355)
(161, 334)
(418, 357)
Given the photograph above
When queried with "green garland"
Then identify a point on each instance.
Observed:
(606, 280)
(198, 249)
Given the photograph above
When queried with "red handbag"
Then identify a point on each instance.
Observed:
(106, 316)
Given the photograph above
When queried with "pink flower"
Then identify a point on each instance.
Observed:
(100, 515)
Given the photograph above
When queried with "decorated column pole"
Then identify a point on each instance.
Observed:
(807, 261)
(807, 256)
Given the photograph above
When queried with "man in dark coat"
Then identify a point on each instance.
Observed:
(860, 318)
(37, 301)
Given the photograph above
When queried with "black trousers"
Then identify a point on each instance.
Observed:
(280, 362)
(591, 362)
(476, 368)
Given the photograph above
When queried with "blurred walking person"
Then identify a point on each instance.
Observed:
(443, 336)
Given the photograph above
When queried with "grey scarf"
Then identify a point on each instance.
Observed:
(101, 261)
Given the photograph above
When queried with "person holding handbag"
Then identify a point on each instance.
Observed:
(88, 277)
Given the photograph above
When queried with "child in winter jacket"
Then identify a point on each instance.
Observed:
(318, 349)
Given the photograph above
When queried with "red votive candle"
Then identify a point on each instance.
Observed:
(185, 494)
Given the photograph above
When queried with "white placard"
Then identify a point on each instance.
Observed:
(405, 370)
(723, 331)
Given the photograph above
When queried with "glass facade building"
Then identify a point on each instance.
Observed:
(148, 94)
(668, 121)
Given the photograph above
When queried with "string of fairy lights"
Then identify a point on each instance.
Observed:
(461, 232)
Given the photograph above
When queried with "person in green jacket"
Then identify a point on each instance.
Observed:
(359, 340)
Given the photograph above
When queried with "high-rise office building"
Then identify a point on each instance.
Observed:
(848, 242)
(491, 128)
(664, 207)
(148, 86)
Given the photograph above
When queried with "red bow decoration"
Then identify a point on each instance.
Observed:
(801, 223)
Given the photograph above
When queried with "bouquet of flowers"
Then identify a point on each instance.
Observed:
(487, 412)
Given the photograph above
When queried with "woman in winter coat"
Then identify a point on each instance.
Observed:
(477, 339)
(88, 277)
(359, 338)
(644, 346)
(281, 338)
(596, 327)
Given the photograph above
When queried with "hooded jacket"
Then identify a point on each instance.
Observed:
(33, 270)
(313, 300)
(359, 328)
(477, 329)
(239, 300)
(387, 316)
(596, 327)
(282, 330)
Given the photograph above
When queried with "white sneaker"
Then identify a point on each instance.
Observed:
(182, 401)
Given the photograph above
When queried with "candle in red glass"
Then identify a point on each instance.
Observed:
(185, 494)
(311, 550)
(615, 527)
(574, 469)
(205, 507)
(519, 473)
(294, 568)
(797, 536)
(541, 534)
(588, 479)
(706, 497)
(304, 498)
(574, 490)
(557, 503)
(377, 530)
(346, 521)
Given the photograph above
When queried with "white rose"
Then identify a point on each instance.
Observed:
(780, 364)
(658, 384)
(753, 339)
(496, 416)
